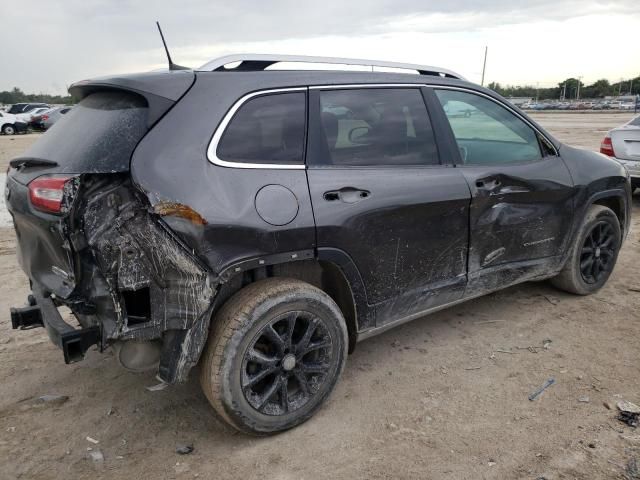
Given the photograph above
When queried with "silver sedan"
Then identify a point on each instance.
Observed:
(623, 144)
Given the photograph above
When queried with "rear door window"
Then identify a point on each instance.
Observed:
(376, 126)
(268, 129)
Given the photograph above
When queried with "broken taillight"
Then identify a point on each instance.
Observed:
(46, 192)
(606, 147)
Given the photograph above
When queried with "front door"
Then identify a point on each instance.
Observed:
(522, 193)
(380, 194)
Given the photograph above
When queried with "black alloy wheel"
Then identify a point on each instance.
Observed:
(275, 352)
(286, 363)
(598, 252)
(593, 256)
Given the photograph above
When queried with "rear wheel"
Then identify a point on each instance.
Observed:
(275, 352)
(8, 129)
(594, 254)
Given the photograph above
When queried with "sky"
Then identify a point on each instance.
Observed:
(49, 44)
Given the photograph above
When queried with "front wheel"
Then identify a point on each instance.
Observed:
(594, 254)
(275, 352)
(8, 129)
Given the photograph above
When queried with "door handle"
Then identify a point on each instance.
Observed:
(488, 185)
(346, 195)
(495, 187)
(512, 189)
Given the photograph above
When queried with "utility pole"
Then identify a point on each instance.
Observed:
(620, 88)
(578, 92)
(484, 65)
(537, 96)
(564, 91)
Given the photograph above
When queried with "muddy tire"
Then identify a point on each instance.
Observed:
(275, 352)
(593, 255)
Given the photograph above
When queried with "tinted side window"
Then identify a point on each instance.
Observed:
(377, 126)
(266, 129)
(486, 132)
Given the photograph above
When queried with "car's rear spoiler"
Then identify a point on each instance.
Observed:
(160, 89)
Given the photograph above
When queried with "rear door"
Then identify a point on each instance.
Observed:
(522, 193)
(380, 193)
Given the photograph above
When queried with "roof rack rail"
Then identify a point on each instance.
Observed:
(256, 62)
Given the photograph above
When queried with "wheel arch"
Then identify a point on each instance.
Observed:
(616, 201)
(331, 270)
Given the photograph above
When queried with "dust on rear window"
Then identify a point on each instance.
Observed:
(97, 136)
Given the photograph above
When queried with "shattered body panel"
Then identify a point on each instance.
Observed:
(136, 252)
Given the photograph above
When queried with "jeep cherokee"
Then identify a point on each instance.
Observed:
(260, 222)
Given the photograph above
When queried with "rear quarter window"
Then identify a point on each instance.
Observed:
(268, 129)
(98, 135)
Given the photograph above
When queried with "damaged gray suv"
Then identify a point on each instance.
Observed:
(259, 222)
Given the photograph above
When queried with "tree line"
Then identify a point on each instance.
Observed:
(18, 96)
(568, 89)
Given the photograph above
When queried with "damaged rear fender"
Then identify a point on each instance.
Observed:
(159, 289)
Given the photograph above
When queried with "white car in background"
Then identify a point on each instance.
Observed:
(626, 106)
(10, 124)
(623, 144)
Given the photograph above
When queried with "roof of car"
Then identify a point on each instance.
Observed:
(252, 70)
(260, 62)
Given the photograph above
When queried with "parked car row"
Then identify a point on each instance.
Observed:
(587, 105)
(24, 116)
(18, 108)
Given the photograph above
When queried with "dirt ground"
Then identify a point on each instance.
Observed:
(445, 396)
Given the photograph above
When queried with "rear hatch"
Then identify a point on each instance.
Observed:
(97, 137)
